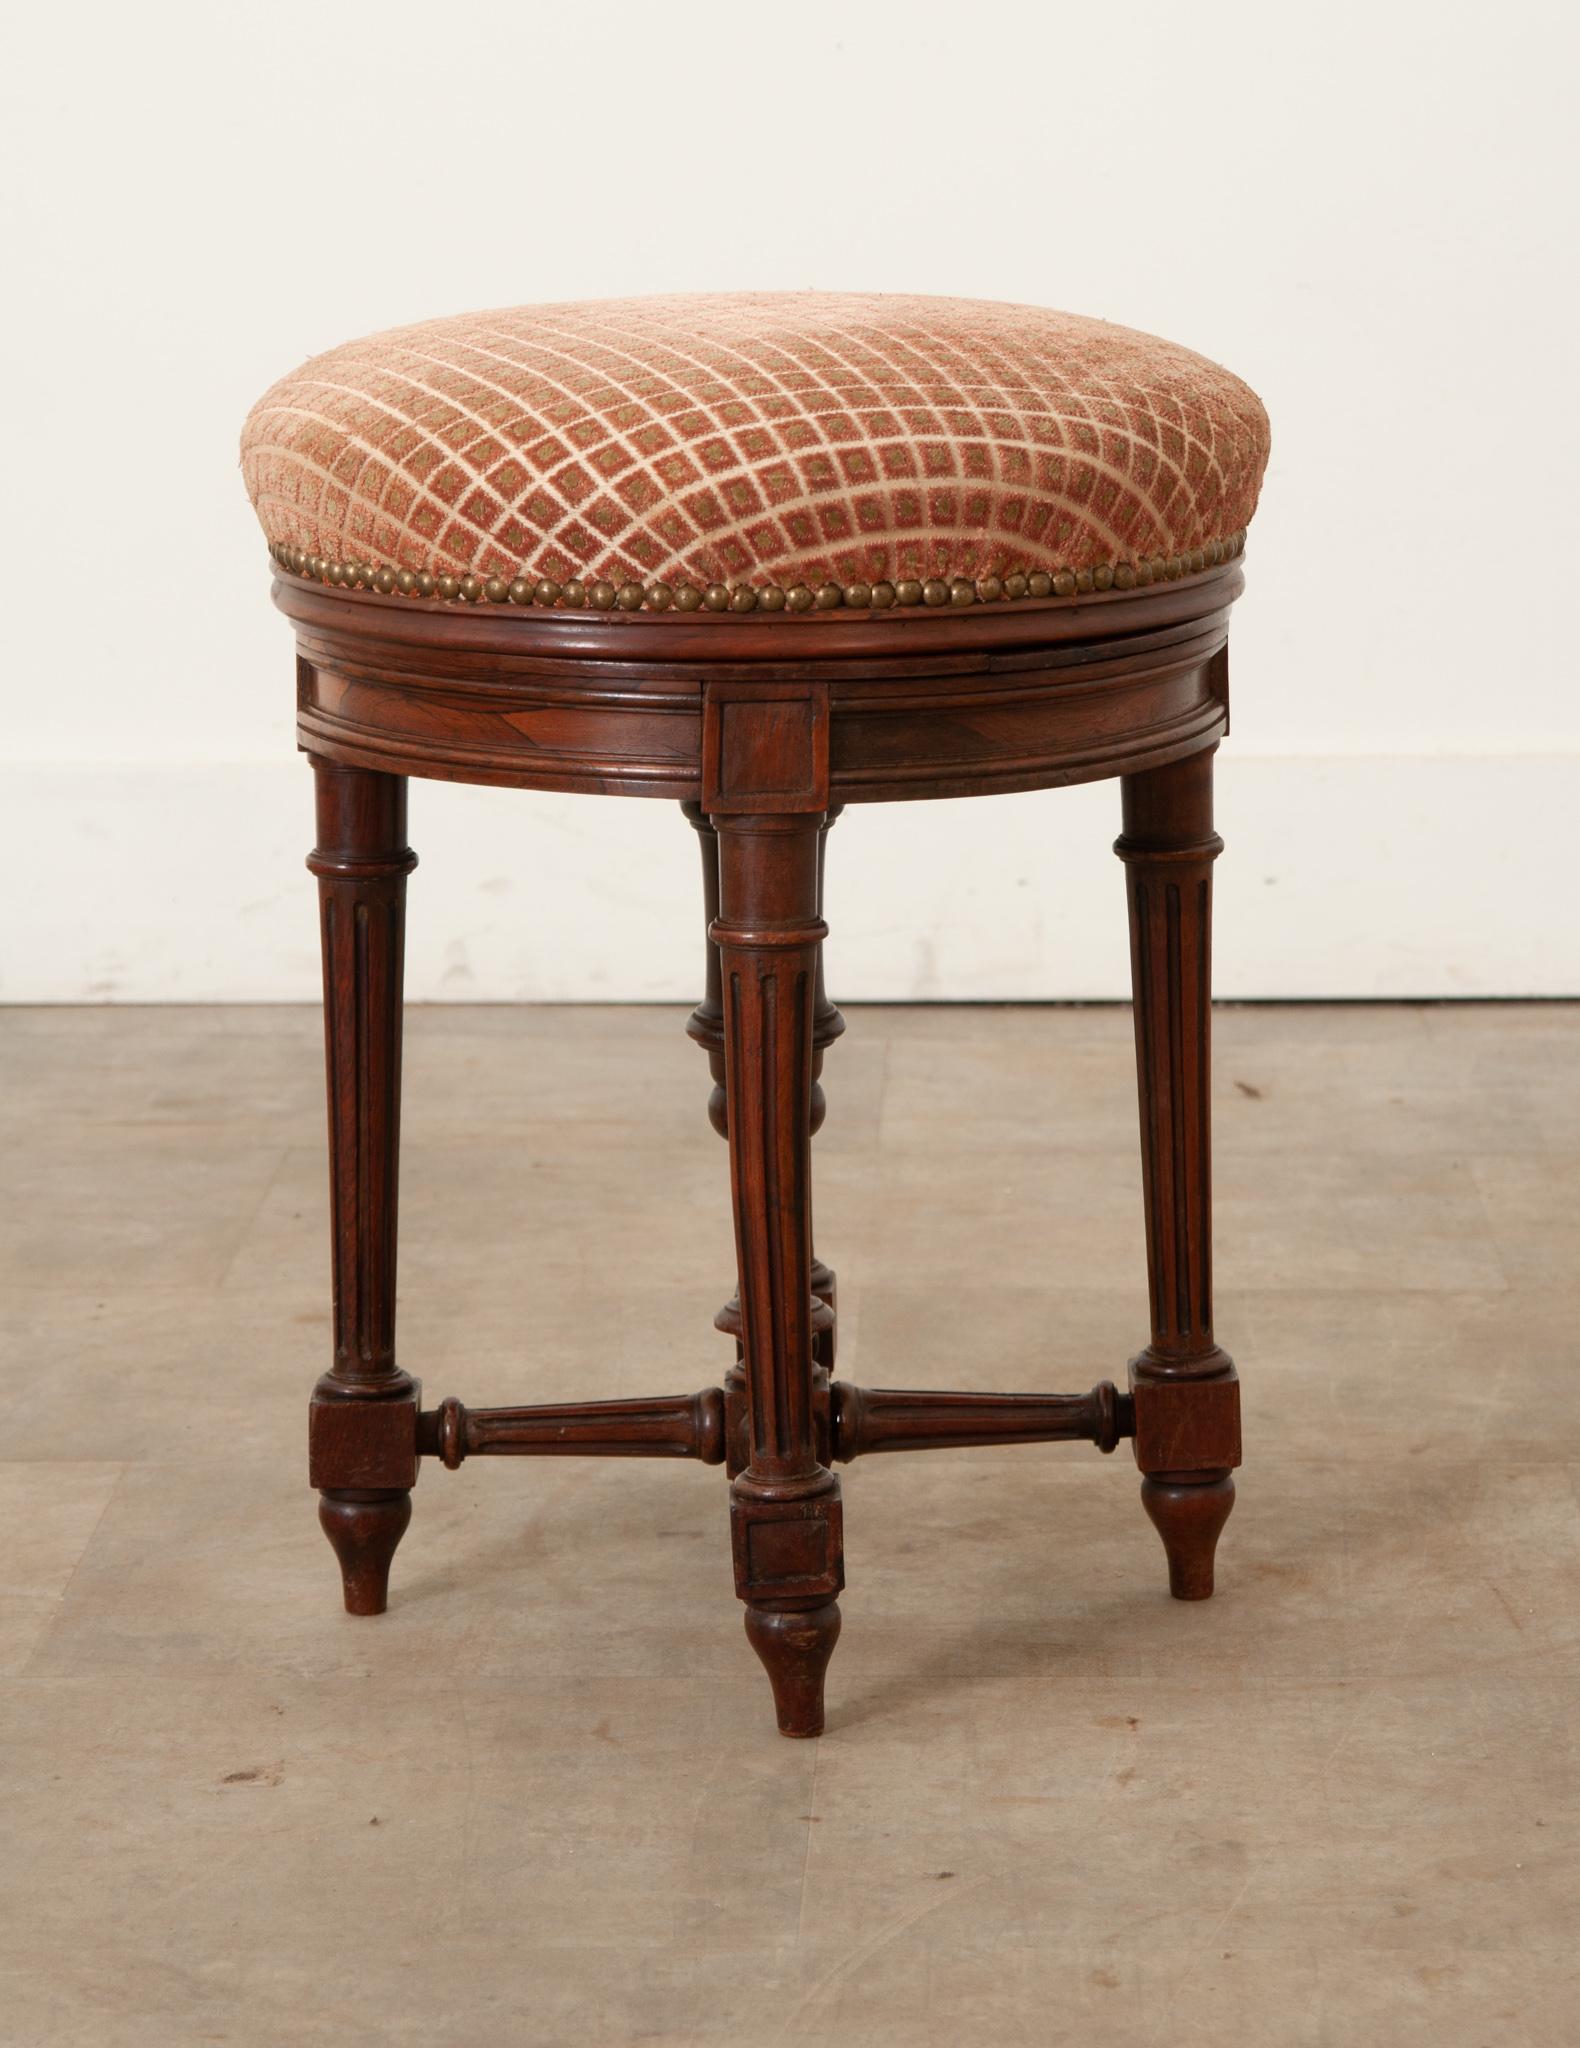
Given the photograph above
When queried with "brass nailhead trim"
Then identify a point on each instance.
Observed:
(603, 596)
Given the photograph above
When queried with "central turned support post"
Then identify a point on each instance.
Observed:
(1184, 1387)
(706, 1027)
(362, 1444)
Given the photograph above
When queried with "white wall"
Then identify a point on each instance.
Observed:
(1369, 211)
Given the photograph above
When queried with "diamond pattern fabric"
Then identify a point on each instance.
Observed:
(755, 439)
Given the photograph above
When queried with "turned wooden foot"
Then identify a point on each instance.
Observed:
(364, 1528)
(1188, 1510)
(795, 1649)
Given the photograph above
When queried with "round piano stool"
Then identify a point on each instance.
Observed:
(1063, 621)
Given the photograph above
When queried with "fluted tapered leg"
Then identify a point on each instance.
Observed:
(785, 1505)
(827, 1025)
(363, 1414)
(706, 1026)
(1187, 1407)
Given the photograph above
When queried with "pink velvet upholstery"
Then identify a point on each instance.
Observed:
(756, 440)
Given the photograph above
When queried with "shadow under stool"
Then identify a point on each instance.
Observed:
(767, 556)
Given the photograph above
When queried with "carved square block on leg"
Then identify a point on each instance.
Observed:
(360, 1441)
(1185, 1425)
(764, 748)
(788, 1550)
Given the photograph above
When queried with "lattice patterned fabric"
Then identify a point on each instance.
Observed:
(775, 440)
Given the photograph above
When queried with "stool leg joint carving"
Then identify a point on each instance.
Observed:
(780, 1423)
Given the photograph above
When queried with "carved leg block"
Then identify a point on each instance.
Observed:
(1185, 1425)
(362, 1427)
(1185, 1391)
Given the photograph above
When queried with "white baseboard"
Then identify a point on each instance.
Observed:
(1344, 876)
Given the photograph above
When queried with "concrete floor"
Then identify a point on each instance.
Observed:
(542, 1801)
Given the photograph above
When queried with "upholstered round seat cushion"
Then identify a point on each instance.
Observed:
(781, 450)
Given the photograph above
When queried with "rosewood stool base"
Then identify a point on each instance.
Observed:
(765, 729)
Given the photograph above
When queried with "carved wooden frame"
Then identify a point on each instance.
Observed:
(764, 729)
